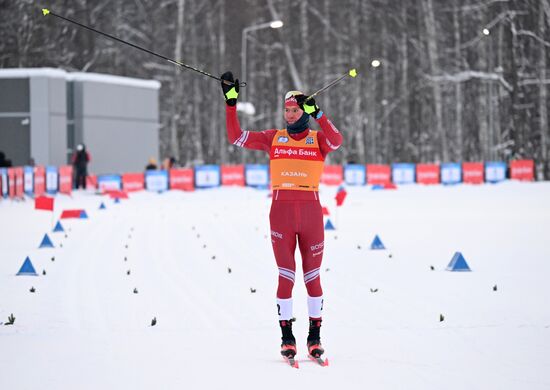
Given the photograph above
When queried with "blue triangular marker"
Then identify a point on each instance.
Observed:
(377, 243)
(27, 268)
(117, 200)
(83, 215)
(329, 225)
(102, 206)
(46, 242)
(458, 263)
(58, 227)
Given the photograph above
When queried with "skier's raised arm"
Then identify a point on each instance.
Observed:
(330, 138)
(258, 140)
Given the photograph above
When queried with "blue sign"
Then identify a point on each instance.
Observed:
(355, 174)
(156, 180)
(207, 176)
(403, 173)
(109, 182)
(28, 180)
(52, 180)
(451, 173)
(495, 171)
(4, 182)
(256, 175)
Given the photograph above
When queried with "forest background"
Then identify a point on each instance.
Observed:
(458, 80)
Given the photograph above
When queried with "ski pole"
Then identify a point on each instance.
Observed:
(352, 73)
(46, 12)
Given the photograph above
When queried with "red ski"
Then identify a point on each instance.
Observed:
(320, 361)
(291, 361)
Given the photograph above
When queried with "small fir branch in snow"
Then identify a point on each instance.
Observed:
(32, 289)
(373, 290)
(154, 321)
(11, 320)
(252, 290)
(135, 290)
(441, 318)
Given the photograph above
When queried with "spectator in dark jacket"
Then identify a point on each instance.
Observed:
(4, 163)
(80, 161)
(168, 163)
(151, 165)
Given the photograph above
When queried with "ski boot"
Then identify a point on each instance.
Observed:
(314, 347)
(288, 345)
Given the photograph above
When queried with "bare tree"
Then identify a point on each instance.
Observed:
(431, 37)
(458, 81)
(544, 19)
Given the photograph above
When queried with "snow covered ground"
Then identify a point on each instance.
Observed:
(85, 328)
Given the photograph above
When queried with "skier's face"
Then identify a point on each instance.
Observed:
(292, 114)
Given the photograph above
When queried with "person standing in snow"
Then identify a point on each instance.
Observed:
(4, 162)
(80, 161)
(151, 164)
(297, 156)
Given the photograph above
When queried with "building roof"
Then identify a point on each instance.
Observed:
(17, 73)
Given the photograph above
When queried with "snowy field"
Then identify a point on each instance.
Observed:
(85, 328)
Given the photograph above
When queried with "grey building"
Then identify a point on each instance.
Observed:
(45, 113)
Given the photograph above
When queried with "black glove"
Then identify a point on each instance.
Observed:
(230, 91)
(308, 107)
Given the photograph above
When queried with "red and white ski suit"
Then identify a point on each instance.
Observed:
(296, 215)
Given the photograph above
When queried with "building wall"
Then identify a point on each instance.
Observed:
(118, 123)
(14, 120)
(45, 112)
(48, 103)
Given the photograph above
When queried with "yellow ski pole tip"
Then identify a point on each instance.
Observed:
(45, 11)
(353, 73)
